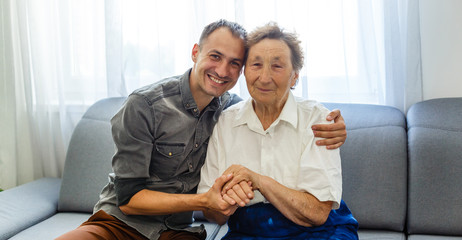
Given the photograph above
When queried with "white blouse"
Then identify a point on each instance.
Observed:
(286, 151)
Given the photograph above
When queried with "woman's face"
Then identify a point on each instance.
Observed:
(269, 72)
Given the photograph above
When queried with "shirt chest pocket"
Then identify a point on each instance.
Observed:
(167, 157)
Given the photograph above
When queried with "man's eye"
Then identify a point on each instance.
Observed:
(215, 57)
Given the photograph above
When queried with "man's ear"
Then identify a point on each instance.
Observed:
(195, 52)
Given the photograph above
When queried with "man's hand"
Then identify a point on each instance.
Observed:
(221, 206)
(335, 133)
(215, 200)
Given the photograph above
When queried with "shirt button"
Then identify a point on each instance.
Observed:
(190, 167)
(187, 105)
(195, 110)
(197, 145)
(170, 154)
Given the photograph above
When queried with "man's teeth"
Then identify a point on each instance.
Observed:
(216, 80)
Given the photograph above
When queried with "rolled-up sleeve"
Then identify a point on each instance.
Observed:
(321, 175)
(132, 131)
(320, 171)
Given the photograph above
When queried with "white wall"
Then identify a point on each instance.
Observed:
(441, 34)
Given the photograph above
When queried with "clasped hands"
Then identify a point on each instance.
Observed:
(234, 189)
(239, 189)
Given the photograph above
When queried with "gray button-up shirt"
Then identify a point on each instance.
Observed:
(161, 139)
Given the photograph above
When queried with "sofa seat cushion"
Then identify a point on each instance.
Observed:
(63, 222)
(37, 200)
(363, 234)
(379, 234)
(432, 237)
(53, 227)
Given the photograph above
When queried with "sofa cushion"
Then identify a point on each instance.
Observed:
(61, 223)
(88, 160)
(432, 237)
(26, 205)
(374, 165)
(53, 227)
(435, 167)
(379, 234)
(363, 234)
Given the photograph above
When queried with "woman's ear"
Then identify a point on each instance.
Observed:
(294, 79)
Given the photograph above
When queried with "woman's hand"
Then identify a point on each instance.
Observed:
(243, 183)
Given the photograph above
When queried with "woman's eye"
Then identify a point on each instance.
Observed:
(278, 67)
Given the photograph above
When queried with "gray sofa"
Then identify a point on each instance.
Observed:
(402, 175)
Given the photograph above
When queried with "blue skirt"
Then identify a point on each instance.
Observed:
(265, 222)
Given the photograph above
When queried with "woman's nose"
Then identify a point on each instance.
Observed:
(265, 75)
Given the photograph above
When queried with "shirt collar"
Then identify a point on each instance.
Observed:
(247, 115)
(289, 112)
(186, 95)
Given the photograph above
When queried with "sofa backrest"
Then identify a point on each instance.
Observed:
(374, 162)
(374, 165)
(88, 160)
(435, 167)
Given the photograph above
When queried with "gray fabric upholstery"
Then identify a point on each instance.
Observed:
(26, 205)
(222, 231)
(88, 160)
(380, 235)
(374, 164)
(435, 167)
(431, 237)
(53, 227)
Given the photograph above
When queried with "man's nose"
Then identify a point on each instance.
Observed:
(222, 69)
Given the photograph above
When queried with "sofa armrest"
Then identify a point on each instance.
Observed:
(28, 204)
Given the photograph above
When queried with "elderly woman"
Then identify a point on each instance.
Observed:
(266, 144)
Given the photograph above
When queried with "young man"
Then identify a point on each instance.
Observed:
(161, 135)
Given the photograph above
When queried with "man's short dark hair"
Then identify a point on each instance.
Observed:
(236, 29)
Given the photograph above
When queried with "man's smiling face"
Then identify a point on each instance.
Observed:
(217, 63)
